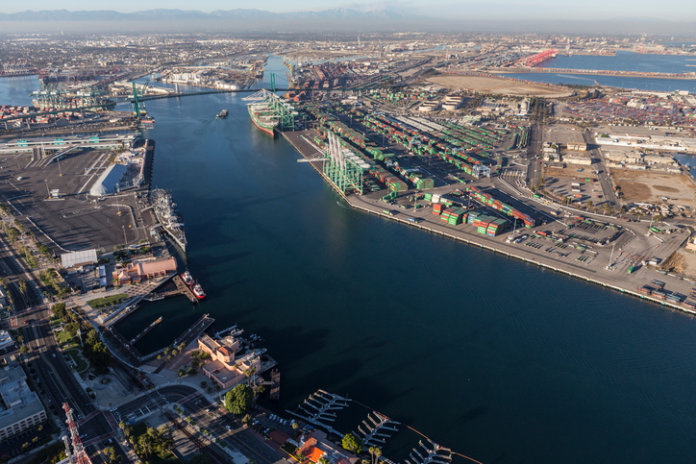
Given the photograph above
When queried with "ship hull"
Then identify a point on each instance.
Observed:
(262, 127)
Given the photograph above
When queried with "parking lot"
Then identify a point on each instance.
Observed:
(71, 218)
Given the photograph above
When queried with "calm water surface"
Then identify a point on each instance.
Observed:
(623, 61)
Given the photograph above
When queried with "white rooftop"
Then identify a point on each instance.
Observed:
(76, 258)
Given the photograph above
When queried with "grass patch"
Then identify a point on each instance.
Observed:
(105, 302)
(80, 364)
(64, 337)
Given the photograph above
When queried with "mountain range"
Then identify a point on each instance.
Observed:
(336, 20)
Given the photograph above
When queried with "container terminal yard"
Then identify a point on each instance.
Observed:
(583, 181)
(456, 181)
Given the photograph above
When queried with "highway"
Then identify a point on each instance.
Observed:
(534, 153)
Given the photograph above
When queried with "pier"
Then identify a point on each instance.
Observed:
(146, 330)
(183, 289)
(430, 453)
(376, 429)
(298, 140)
(193, 332)
(320, 408)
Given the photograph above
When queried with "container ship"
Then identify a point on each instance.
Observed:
(262, 116)
(165, 211)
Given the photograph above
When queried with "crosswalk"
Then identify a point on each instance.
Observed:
(515, 177)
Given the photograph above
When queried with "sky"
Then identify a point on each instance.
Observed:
(680, 10)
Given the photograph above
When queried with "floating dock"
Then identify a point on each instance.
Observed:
(146, 330)
(182, 289)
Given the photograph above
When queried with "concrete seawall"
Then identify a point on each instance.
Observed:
(563, 268)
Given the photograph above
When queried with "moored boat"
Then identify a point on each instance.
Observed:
(186, 277)
(198, 291)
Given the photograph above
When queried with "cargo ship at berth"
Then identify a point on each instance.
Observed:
(262, 116)
(165, 211)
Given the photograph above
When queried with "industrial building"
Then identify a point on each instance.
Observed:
(127, 173)
(78, 258)
(20, 408)
(108, 181)
(141, 270)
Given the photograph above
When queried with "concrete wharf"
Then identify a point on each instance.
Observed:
(614, 282)
(183, 289)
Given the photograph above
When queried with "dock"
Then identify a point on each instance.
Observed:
(181, 289)
(320, 409)
(376, 429)
(189, 335)
(299, 141)
(145, 331)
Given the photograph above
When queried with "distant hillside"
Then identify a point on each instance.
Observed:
(337, 20)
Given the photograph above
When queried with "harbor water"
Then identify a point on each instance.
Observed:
(623, 61)
(496, 358)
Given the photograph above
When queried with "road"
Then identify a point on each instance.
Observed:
(54, 379)
(208, 416)
(536, 137)
(599, 166)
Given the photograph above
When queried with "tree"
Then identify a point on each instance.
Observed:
(23, 349)
(111, 455)
(246, 420)
(23, 286)
(351, 443)
(239, 399)
(58, 310)
(375, 454)
(71, 328)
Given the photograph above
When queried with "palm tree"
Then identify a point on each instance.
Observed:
(375, 453)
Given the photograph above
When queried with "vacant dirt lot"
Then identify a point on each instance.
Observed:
(650, 187)
(499, 85)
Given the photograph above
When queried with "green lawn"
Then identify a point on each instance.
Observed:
(80, 363)
(63, 337)
(107, 301)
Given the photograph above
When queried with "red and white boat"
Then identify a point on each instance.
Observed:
(198, 291)
(186, 277)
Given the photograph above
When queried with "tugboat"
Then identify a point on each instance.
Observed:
(186, 277)
(222, 115)
(198, 292)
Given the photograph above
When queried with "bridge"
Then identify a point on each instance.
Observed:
(65, 143)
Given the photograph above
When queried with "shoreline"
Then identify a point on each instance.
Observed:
(364, 206)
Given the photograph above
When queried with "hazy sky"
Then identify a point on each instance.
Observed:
(543, 9)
